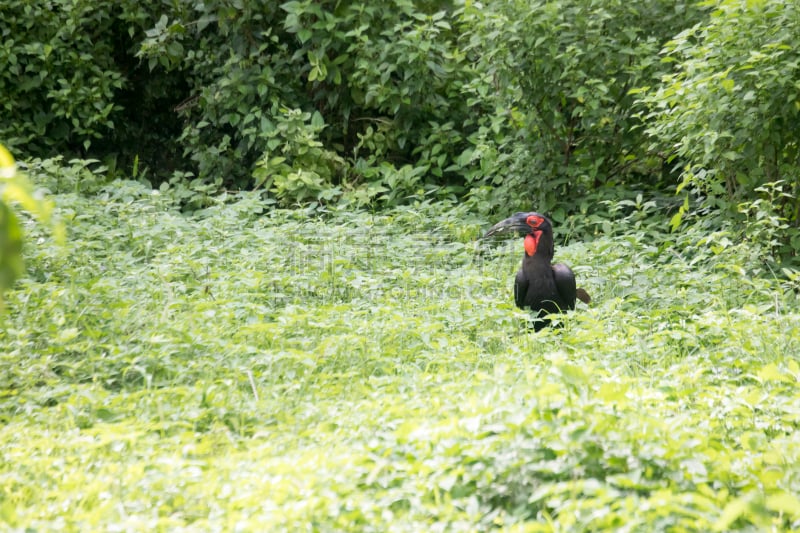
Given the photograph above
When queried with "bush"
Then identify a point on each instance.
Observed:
(569, 66)
(727, 113)
(54, 58)
(311, 99)
(73, 85)
(513, 105)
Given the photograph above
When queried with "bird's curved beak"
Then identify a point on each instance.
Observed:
(514, 224)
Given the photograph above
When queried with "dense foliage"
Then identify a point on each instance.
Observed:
(308, 99)
(71, 80)
(237, 369)
(197, 356)
(727, 114)
(506, 104)
(570, 67)
(15, 191)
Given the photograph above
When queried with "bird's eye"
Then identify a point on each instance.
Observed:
(534, 221)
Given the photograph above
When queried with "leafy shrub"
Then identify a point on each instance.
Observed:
(73, 85)
(53, 58)
(301, 169)
(569, 66)
(727, 113)
(312, 99)
(509, 105)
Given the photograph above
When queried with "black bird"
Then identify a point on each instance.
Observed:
(543, 287)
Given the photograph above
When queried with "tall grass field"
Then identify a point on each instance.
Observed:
(244, 368)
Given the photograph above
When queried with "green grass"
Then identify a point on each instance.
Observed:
(245, 370)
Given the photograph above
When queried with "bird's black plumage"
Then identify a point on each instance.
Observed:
(541, 286)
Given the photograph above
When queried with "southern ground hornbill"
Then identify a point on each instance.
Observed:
(543, 287)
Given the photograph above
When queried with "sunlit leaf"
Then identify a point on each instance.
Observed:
(784, 502)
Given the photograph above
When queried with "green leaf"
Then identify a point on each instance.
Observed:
(11, 264)
(732, 512)
(304, 35)
(771, 372)
(728, 84)
(784, 503)
(317, 121)
(675, 221)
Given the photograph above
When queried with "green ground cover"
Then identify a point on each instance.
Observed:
(247, 369)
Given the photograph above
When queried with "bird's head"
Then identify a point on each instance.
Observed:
(533, 226)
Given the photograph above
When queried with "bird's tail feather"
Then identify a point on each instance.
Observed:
(583, 296)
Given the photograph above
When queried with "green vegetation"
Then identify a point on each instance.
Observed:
(502, 105)
(729, 110)
(238, 369)
(16, 190)
(274, 311)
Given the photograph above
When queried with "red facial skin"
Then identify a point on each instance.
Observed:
(532, 240)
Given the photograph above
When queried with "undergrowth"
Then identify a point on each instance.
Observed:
(244, 368)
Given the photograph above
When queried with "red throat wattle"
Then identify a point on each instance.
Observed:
(531, 243)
